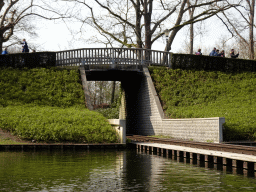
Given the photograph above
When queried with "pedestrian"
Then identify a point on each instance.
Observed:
(222, 53)
(5, 51)
(24, 46)
(199, 52)
(217, 53)
(213, 52)
(232, 54)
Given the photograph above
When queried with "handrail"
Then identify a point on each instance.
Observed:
(123, 56)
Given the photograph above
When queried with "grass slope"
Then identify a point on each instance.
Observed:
(40, 86)
(48, 105)
(188, 94)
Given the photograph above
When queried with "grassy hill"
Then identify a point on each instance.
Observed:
(40, 86)
(188, 94)
(48, 105)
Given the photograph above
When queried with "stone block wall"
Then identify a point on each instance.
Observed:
(196, 129)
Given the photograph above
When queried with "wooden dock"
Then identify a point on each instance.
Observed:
(181, 153)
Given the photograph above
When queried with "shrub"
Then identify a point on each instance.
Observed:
(73, 124)
(109, 113)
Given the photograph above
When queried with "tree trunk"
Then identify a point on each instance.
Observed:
(191, 47)
(251, 39)
(113, 92)
(1, 44)
(175, 31)
(138, 25)
(191, 14)
(95, 94)
(147, 21)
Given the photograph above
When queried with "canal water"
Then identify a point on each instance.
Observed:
(111, 170)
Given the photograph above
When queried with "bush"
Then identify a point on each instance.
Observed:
(109, 113)
(48, 105)
(57, 124)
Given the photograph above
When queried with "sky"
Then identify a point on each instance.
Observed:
(54, 36)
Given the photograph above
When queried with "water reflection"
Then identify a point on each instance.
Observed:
(110, 171)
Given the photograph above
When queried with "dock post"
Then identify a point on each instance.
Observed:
(245, 165)
(167, 153)
(234, 163)
(173, 154)
(224, 161)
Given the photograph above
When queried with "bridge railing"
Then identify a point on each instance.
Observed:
(30, 60)
(106, 56)
(130, 57)
(185, 61)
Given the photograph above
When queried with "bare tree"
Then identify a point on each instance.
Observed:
(14, 16)
(103, 92)
(240, 23)
(191, 27)
(139, 23)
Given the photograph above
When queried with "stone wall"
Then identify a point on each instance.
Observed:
(196, 129)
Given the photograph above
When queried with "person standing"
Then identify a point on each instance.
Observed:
(222, 53)
(199, 52)
(213, 52)
(5, 51)
(24, 46)
(232, 54)
(217, 53)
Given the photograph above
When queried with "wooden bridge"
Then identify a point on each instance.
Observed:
(112, 58)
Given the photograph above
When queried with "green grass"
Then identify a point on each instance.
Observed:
(194, 94)
(72, 124)
(10, 142)
(40, 86)
(3, 142)
(48, 105)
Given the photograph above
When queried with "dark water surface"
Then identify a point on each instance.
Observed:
(110, 171)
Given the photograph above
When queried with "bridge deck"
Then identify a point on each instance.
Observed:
(112, 72)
